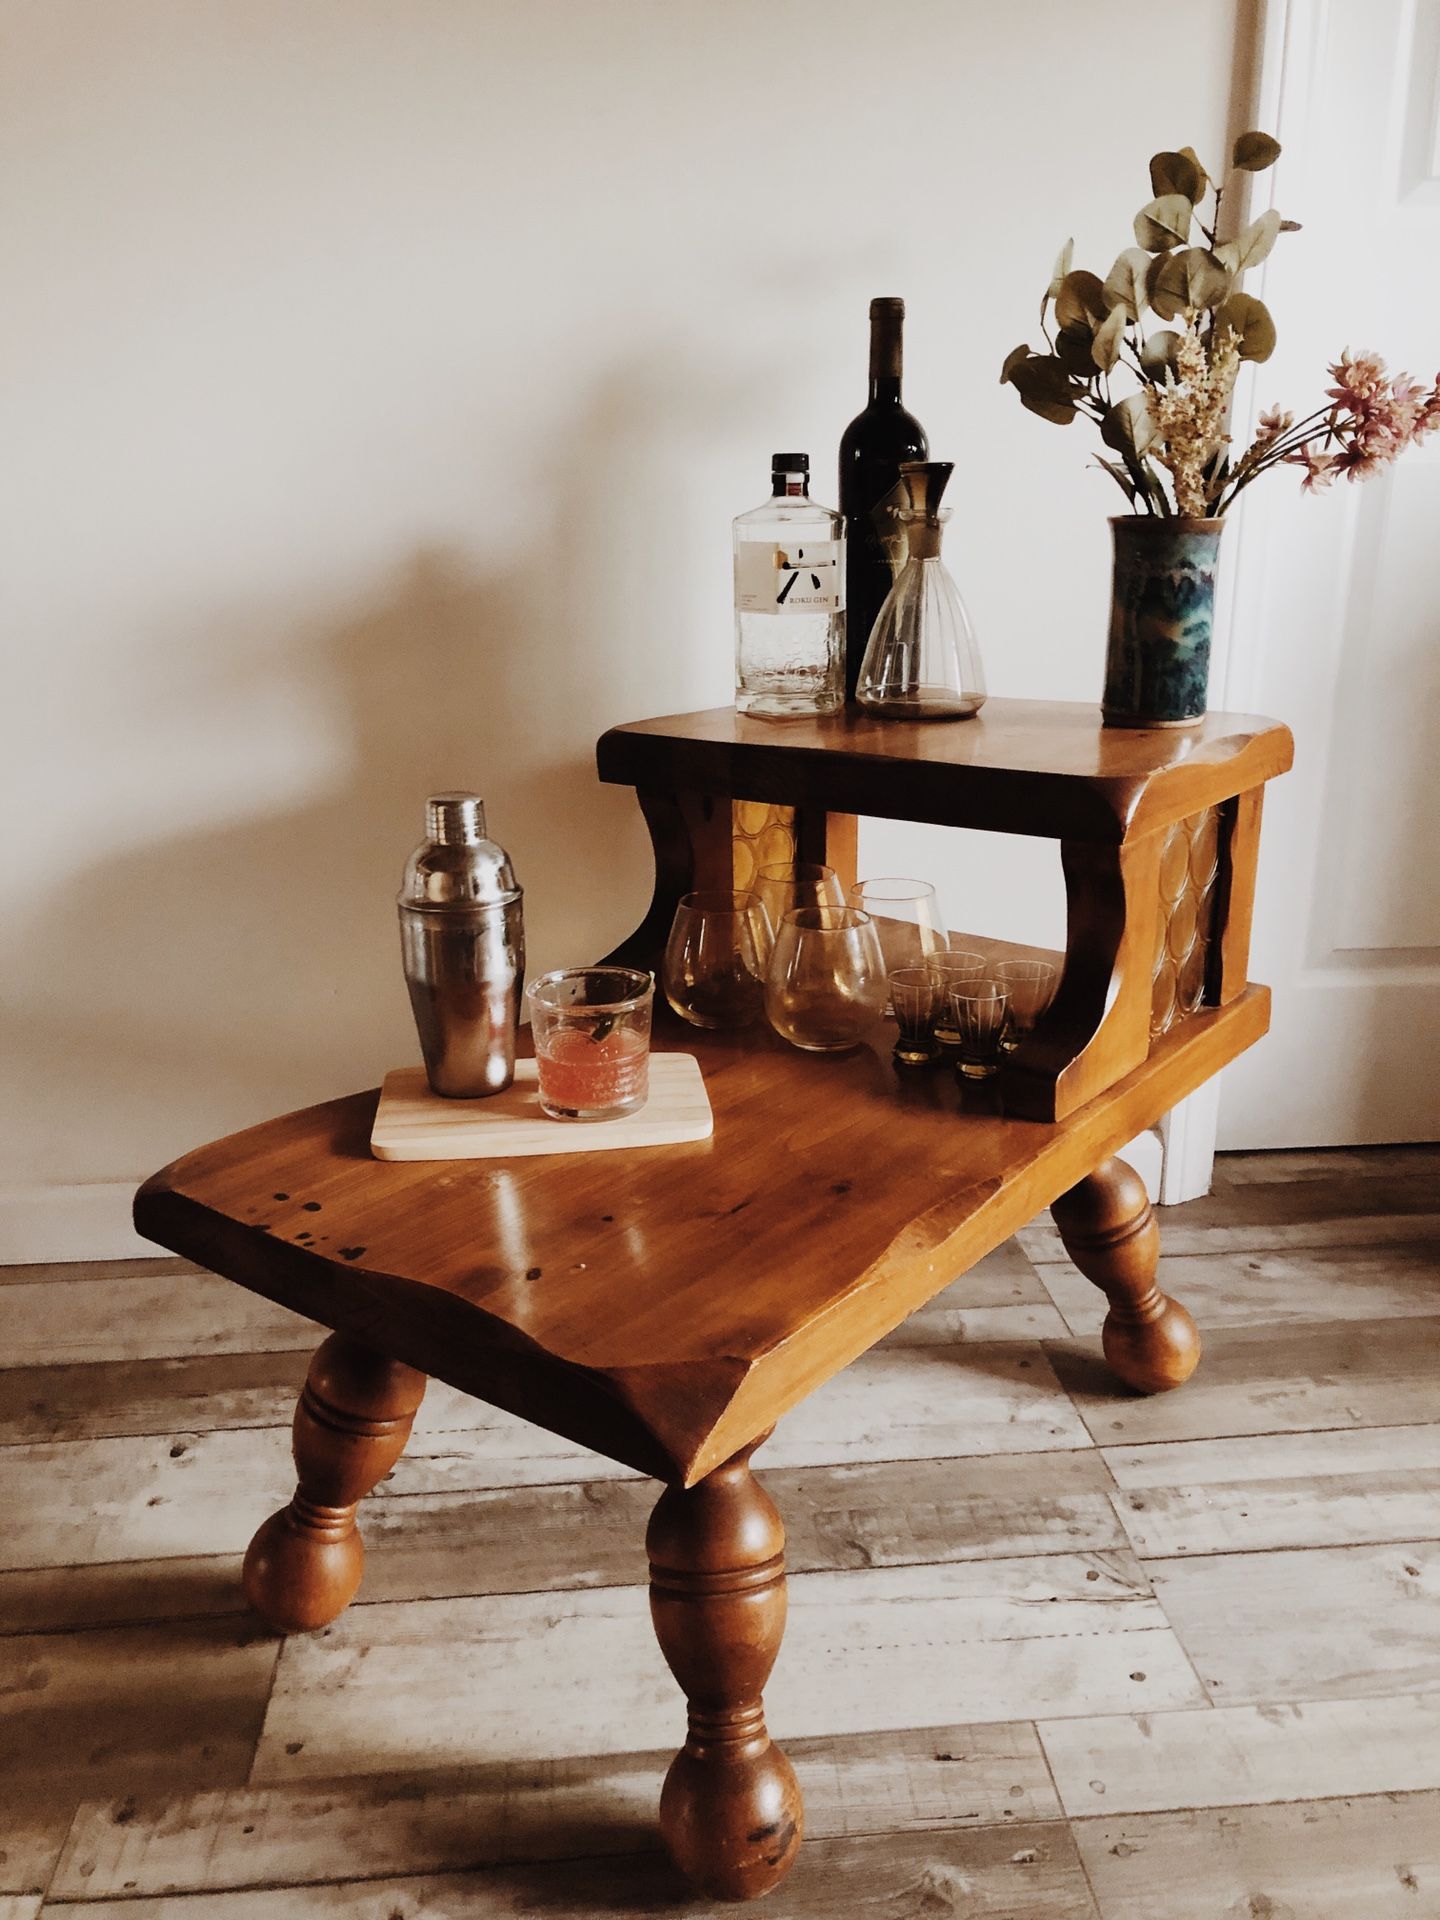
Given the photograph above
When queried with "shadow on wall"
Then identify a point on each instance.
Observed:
(211, 980)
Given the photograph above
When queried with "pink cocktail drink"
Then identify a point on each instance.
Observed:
(592, 1040)
(589, 1075)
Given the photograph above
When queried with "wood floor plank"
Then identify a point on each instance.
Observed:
(1253, 1289)
(306, 1831)
(1279, 1490)
(169, 1707)
(1238, 1756)
(1267, 1380)
(1276, 1456)
(987, 1873)
(527, 1539)
(142, 1317)
(26, 1273)
(34, 1820)
(1321, 1860)
(20, 1906)
(1331, 1510)
(518, 1677)
(1319, 1623)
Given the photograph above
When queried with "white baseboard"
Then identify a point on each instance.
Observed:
(89, 1222)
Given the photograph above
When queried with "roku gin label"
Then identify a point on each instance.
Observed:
(806, 577)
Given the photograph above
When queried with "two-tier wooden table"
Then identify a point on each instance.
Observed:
(667, 1307)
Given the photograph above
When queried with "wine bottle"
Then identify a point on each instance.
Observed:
(871, 451)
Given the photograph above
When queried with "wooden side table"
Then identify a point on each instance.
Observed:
(666, 1308)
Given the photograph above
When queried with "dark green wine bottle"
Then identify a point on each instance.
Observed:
(871, 450)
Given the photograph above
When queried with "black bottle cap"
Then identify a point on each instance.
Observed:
(790, 463)
(887, 306)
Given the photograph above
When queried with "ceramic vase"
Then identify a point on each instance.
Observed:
(1162, 612)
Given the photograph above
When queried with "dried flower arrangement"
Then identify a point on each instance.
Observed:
(1176, 417)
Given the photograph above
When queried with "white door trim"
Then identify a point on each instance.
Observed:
(1288, 34)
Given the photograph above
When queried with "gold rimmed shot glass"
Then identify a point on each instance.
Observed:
(979, 1009)
(951, 969)
(915, 997)
(1030, 985)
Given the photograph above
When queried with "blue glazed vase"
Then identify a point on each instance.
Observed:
(1162, 613)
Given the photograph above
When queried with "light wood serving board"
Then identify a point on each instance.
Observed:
(412, 1123)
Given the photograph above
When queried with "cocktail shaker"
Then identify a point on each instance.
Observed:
(462, 935)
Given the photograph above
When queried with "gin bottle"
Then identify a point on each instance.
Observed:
(789, 599)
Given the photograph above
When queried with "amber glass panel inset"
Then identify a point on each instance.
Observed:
(1189, 870)
(762, 835)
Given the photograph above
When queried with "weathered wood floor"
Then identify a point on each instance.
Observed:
(1054, 1652)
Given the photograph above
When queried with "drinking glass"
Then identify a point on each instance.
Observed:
(713, 972)
(1031, 987)
(826, 984)
(907, 919)
(804, 884)
(592, 1040)
(978, 1008)
(915, 995)
(952, 968)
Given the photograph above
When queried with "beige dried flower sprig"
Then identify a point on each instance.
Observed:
(1173, 420)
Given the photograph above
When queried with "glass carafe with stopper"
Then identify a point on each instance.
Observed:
(923, 660)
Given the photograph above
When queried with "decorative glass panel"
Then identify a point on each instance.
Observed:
(762, 835)
(1189, 869)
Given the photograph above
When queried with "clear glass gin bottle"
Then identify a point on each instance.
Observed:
(923, 660)
(789, 599)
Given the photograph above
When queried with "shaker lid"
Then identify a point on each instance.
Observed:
(456, 865)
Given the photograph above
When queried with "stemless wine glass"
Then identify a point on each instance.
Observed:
(951, 969)
(978, 1008)
(805, 883)
(915, 994)
(907, 919)
(826, 984)
(1031, 986)
(592, 1040)
(713, 972)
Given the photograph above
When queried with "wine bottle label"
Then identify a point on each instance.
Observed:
(789, 579)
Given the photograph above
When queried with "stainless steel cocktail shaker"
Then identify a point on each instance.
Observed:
(462, 934)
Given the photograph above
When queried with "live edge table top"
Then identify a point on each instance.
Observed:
(662, 1306)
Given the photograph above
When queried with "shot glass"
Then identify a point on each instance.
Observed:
(592, 1040)
(1031, 987)
(979, 1009)
(915, 997)
(951, 969)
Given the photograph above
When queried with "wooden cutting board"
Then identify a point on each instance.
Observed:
(412, 1123)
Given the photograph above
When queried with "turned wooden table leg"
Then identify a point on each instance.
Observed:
(730, 1811)
(1110, 1233)
(353, 1419)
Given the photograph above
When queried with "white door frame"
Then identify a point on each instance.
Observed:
(1288, 34)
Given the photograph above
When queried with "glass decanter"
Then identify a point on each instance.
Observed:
(923, 660)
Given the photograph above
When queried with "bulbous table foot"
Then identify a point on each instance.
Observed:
(1110, 1233)
(356, 1409)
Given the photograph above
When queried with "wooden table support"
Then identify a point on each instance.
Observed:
(730, 1809)
(354, 1416)
(666, 1307)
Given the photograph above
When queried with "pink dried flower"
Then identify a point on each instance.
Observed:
(1428, 419)
(1358, 378)
(1320, 468)
(1273, 425)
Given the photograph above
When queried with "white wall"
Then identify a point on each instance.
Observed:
(380, 379)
